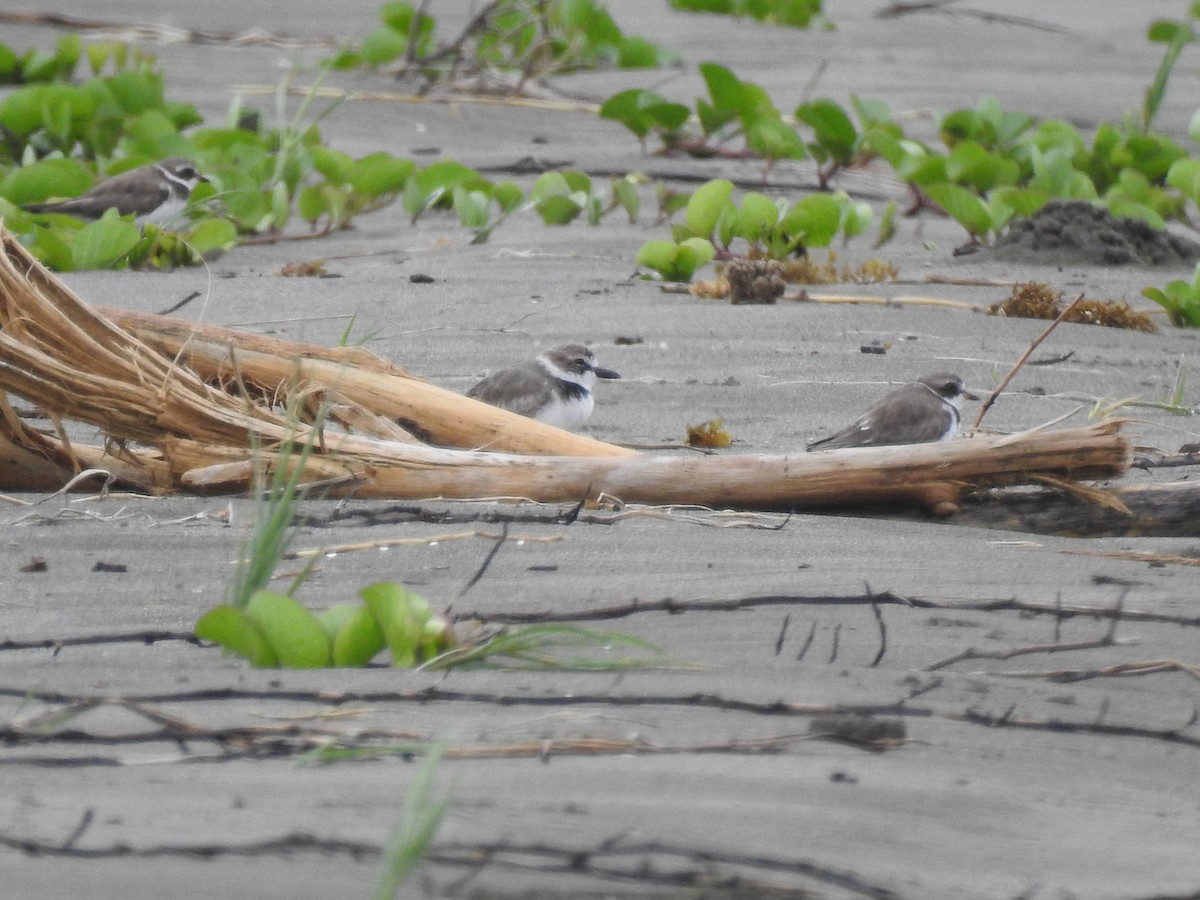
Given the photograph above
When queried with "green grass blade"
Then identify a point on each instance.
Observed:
(554, 647)
(411, 838)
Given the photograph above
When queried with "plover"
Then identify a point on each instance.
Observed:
(925, 411)
(555, 388)
(157, 193)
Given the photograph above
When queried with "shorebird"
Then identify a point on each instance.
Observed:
(925, 411)
(555, 388)
(157, 193)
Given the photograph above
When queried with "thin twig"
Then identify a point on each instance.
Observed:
(882, 629)
(1142, 667)
(812, 633)
(487, 560)
(987, 404)
(85, 822)
(972, 653)
(782, 633)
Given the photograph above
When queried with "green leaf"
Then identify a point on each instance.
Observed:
(558, 209)
(549, 184)
(832, 129)
(380, 174)
(962, 205)
(1007, 202)
(397, 15)
(625, 108)
(104, 243)
(873, 113)
(508, 195)
(577, 182)
(814, 220)
(293, 632)
(625, 193)
(1164, 31)
(657, 255)
(676, 262)
(1184, 176)
(772, 138)
(970, 164)
(755, 217)
(1124, 206)
(53, 250)
(471, 206)
(334, 165)
(705, 205)
(97, 54)
(45, 180)
(882, 142)
(356, 636)
(236, 632)
(637, 53)
(401, 616)
(137, 91)
(382, 46)
(153, 135)
(920, 165)
(725, 89)
(310, 204)
(427, 187)
(8, 65)
(887, 225)
(641, 111)
(855, 218)
(212, 234)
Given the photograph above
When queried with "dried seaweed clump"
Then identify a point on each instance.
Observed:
(710, 434)
(754, 280)
(305, 269)
(1034, 300)
(1112, 313)
(807, 270)
(1029, 300)
(717, 289)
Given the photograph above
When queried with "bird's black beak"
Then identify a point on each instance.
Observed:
(967, 395)
(605, 373)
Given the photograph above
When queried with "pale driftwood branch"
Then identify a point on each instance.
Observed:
(930, 475)
(274, 366)
(189, 407)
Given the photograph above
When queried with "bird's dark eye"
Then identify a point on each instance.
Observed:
(581, 362)
(187, 172)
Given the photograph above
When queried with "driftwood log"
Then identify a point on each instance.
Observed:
(187, 407)
(1138, 510)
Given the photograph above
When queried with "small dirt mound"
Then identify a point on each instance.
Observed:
(1076, 233)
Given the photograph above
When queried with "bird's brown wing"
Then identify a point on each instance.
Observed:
(520, 390)
(856, 435)
(128, 196)
(906, 416)
(124, 191)
(896, 419)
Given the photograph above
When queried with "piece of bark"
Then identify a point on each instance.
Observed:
(1158, 510)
